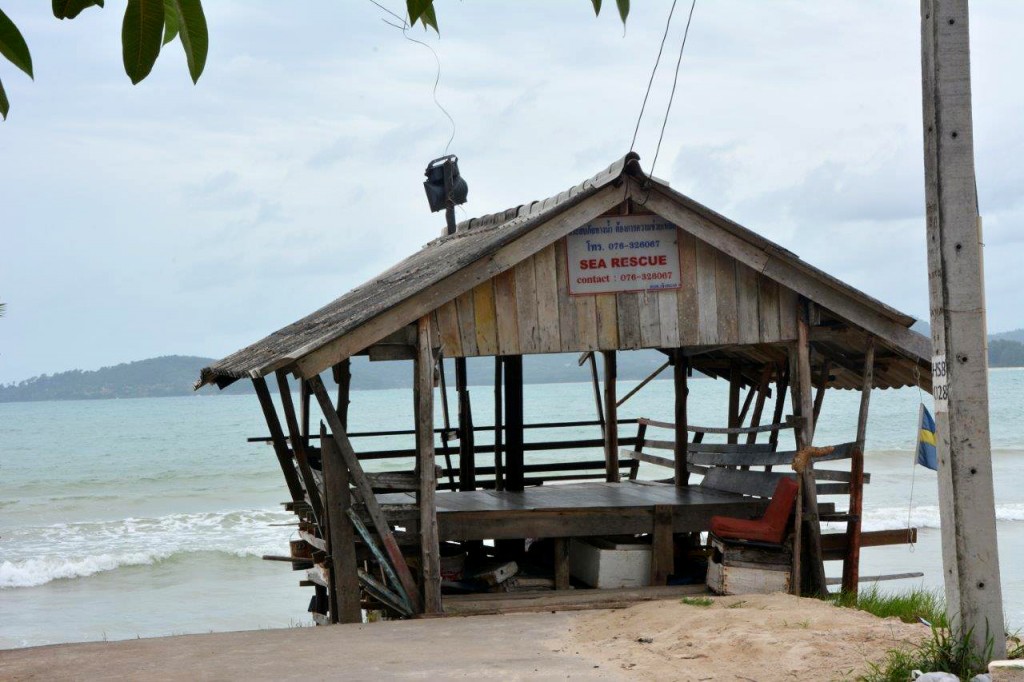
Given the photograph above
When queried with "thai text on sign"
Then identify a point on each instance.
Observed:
(623, 253)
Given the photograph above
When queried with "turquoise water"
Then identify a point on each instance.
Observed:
(148, 517)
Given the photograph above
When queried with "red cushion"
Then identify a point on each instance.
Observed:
(769, 528)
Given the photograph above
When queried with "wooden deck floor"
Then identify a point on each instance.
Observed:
(578, 509)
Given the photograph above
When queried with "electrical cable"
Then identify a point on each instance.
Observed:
(675, 80)
(404, 28)
(653, 71)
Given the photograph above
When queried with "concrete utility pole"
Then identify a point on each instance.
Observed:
(960, 349)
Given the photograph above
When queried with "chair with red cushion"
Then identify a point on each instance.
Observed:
(771, 527)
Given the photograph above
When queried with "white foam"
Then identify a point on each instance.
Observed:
(36, 556)
(926, 516)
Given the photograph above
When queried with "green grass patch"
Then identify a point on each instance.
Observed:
(908, 606)
(943, 651)
(697, 601)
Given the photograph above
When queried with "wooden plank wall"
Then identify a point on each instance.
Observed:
(528, 309)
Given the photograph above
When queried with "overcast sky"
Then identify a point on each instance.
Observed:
(169, 218)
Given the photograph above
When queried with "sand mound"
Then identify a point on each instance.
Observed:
(751, 637)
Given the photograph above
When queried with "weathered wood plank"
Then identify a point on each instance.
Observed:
(707, 293)
(507, 312)
(344, 575)
(650, 319)
(725, 286)
(561, 552)
(568, 312)
(448, 327)
(546, 279)
(747, 305)
(768, 310)
(586, 323)
(759, 483)
(485, 319)
(686, 295)
(527, 306)
(628, 307)
(662, 554)
(467, 323)
(611, 431)
(668, 311)
(607, 321)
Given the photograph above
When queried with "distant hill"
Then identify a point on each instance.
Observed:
(173, 375)
(1005, 349)
(1015, 335)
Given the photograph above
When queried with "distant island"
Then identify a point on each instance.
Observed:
(172, 375)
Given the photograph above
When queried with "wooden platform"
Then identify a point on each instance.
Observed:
(578, 510)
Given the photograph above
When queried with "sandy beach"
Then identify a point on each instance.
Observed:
(757, 637)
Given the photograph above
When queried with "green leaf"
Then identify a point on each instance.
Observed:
(597, 7)
(170, 21)
(417, 8)
(69, 9)
(623, 9)
(141, 33)
(194, 36)
(13, 47)
(5, 106)
(429, 18)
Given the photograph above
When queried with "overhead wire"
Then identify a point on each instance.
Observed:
(404, 27)
(650, 82)
(675, 81)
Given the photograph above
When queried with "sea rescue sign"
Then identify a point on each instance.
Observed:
(623, 253)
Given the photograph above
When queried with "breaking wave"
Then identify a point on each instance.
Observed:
(89, 548)
(926, 516)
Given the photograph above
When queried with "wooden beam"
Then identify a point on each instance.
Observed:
(319, 355)
(423, 389)
(611, 427)
(819, 396)
(343, 586)
(679, 376)
(561, 552)
(514, 423)
(499, 429)
(762, 396)
(343, 377)
(284, 457)
(662, 550)
(364, 490)
(592, 359)
(851, 564)
(959, 344)
(735, 384)
(467, 453)
(298, 446)
(813, 558)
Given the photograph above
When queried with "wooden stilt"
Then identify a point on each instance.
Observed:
(592, 359)
(735, 384)
(284, 457)
(343, 586)
(467, 454)
(662, 551)
(364, 490)
(298, 447)
(561, 551)
(762, 396)
(514, 423)
(682, 438)
(812, 526)
(304, 417)
(851, 564)
(499, 431)
(819, 396)
(343, 377)
(445, 434)
(611, 426)
(423, 389)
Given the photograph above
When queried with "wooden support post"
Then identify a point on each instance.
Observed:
(851, 564)
(812, 557)
(781, 388)
(365, 490)
(499, 430)
(298, 446)
(762, 396)
(735, 384)
(611, 426)
(682, 437)
(343, 588)
(423, 390)
(803, 381)
(592, 359)
(467, 453)
(959, 344)
(662, 550)
(343, 377)
(284, 457)
(561, 551)
(514, 423)
(304, 412)
(819, 396)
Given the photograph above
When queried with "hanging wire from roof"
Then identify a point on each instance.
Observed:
(653, 71)
(404, 27)
(675, 80)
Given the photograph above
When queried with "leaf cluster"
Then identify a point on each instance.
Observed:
(148, 25)
(422, 11)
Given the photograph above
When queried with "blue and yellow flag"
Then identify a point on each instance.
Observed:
(927, 455)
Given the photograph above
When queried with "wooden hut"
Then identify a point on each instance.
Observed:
(616, 263)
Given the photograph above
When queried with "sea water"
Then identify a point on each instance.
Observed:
(147, 517)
